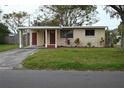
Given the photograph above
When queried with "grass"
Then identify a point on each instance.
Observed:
(76, 59)
(5, 47)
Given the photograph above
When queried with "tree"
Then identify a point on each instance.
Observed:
(15, 19)
(69, 15)
(117, 11)
(0, 14)
(46, 22)
(3, 33)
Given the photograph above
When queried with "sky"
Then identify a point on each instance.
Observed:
(105, 19)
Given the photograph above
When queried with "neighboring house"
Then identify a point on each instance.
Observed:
(12, 38)
(55, 36)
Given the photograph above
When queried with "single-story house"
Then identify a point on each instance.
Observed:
(55, 36)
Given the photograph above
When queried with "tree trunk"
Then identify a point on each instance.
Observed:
(121, 30)
(122, 43)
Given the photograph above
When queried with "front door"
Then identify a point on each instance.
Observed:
(34, 38)
(52, 36)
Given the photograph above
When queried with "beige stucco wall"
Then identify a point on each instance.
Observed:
(62, 41)
(40, 37)
(48, 37)
(80, 33)
(77, 33)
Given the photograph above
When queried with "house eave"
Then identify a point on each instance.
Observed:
(63, 27)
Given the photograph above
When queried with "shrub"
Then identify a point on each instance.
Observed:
(89, 44)
(101, 41)
(77, 41)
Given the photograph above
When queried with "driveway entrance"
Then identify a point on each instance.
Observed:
(12, 58)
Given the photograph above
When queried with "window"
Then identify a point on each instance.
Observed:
(66, 34)
(89, 32)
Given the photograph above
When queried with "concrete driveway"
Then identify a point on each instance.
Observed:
(12, 58)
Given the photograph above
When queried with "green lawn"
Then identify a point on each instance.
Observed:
(5, 47)
(76, 59)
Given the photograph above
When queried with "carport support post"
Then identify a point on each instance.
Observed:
(30, 37)
(26, 37)
(20, 39)
(45, 38)
(56, 38)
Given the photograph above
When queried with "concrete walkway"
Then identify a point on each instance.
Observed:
(12, 58)
(61, 79)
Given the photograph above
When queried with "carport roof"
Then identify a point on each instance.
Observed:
(61, 27)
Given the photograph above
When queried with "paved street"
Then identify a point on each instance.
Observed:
(12, 58)
(60, 79)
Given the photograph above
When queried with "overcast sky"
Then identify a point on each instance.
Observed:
(105, 19)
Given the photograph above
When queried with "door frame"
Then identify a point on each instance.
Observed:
(36, 38)
(52, 36)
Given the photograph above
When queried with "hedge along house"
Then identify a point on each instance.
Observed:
(55, 36)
